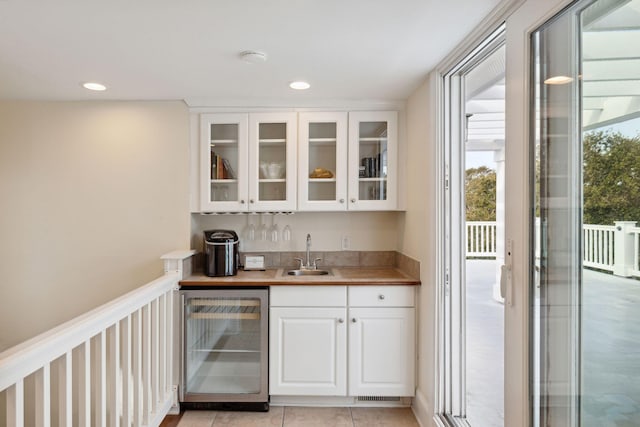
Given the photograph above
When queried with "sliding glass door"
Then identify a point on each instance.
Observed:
(572, 213)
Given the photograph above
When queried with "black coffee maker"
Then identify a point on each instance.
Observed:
(221, 255)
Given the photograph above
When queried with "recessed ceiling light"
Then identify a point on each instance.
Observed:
(558, 80)
(299, 85)
(253, 57)
(94, 86)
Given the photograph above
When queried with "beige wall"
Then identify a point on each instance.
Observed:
(366, 231)
(92, 194)
(418, 230)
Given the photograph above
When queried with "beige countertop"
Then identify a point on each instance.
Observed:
(278, 277)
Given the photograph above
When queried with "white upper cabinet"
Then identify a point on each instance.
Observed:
(272, 161)
(322, 166)
(346, 161)
(373, 153)
(224, 162)
(248, 162)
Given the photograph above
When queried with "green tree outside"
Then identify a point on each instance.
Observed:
(480, 194)
(611, 178)
(611, 182)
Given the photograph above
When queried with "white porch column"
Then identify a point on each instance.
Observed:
(623, 249)
(498, 157)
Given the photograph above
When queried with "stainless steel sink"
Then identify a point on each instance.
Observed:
(308, 272)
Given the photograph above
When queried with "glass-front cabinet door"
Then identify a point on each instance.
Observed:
(224, 162)
(272, 168)
(322, 168)
(372, 160)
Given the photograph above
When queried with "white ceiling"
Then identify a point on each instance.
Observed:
(150, 50)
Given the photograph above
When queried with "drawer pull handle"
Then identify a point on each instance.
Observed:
(381, 297)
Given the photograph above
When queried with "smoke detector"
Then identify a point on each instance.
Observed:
(253, 57)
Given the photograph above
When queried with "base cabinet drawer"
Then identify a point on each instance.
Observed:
(381, 296)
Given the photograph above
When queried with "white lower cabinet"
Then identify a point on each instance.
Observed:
(381, 351)
(308, 352)
(322, 346)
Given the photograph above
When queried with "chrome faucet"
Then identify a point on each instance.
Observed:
(309, 252)
(308, 265)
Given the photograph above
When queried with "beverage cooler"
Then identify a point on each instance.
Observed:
(225, 349)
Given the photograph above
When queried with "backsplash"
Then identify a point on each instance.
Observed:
(365, 231)
(335, 259)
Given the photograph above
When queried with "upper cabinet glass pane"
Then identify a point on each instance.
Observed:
(322, 161)
(224, 161)
(373, 161)
(272, 160)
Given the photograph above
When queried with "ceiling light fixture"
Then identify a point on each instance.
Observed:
(299, 85)
(94, 86)
(558, 80)
(253, 57)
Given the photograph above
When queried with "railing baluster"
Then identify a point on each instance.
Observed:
(15, 405)
(162, 363)
(43, 396)
(65, 390)
(169, 344)
(587, 246)
(126, 371)
(114, 401)
(146, 363)
(84, 384)
(155, 350)
(636, 252)
(611, 246)
(137, 368)
(100, 386)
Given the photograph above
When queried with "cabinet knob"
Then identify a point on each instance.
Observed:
(354, 320)
(341, 200)
(242, 202)
(250, 200)
(353, 200)
(341, 320)
(380, 296)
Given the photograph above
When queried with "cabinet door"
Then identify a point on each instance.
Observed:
(307, 351)
(322, 167)
(224, 178)
(373, 152)
(272, 161)
(381, 351)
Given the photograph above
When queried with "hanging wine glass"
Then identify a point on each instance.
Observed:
(262, 230)
(286, 233)
(249, 231)
(274, 233)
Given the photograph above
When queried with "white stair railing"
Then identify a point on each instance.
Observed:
(112, 366)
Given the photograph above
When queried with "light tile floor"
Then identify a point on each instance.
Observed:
(290, 416)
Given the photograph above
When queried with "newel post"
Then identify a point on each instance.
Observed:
(623, 248)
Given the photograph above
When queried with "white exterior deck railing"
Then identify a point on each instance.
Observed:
(481, 239)
(614, 248)
(598, 245)
(111, 366)
(635, 236)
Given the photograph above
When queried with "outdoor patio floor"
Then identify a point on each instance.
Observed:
(610, 349)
